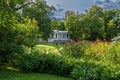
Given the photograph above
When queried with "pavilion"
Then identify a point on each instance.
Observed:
(58, 36)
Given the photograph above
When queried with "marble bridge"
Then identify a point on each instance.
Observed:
(58, 36)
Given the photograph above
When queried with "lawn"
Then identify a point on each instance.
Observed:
(48, 48)
(12, 75)
(44, 47)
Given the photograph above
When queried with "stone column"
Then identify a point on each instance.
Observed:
(58, 35)
(54, 35)
(62, 35)
(65, 35)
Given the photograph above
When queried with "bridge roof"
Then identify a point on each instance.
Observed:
(58, 31)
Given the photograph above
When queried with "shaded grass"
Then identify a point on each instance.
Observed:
(12, 75)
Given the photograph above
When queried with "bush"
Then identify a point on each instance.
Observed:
(103, 51)
(0, 61)
(114, 52)
(90, 66)
(74, 49)
(93, 70)
(46, 63)
(78, 69)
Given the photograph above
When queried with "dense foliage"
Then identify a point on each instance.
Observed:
(40, 12)
(89, 61)
(22, 21)
(17, 30)
(57, 25)
(96, 23)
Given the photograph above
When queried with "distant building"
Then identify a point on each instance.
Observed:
(58, 36)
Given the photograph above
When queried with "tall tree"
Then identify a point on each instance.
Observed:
(95, 10)
(93, 27)
(14, 34)
(40, 11)
(74, 25)
(111, 22)
(85, 26)
(57, 25)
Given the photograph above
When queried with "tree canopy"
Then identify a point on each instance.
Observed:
(17, 29)
(96, 23)
(22, 21)
(40, 12)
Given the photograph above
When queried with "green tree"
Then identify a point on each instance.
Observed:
(86, 26)
(111, 22)
(14, 34)
(74, 25)
(93, 23)
(40, 11)
(95, 10)
(93, 27)
(57, 25)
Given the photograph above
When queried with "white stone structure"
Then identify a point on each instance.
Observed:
(59, 36)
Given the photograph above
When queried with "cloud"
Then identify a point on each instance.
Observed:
(99, 2)
(107, 4)
(102, 1)
(58, 13)
(58, 5)
(59, 8)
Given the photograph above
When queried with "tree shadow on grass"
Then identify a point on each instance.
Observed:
(7, 74)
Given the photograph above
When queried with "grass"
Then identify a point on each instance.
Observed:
(48, 48)
(12, 75)
(45, 46)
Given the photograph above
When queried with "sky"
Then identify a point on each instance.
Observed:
(78, 5)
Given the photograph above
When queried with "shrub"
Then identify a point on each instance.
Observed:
(90, 66)
(0, 61)
(103, 51)
(78, 68)
(117, 72)
(114, 52)
(74, 49)
(47, 63)
(93, 70)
